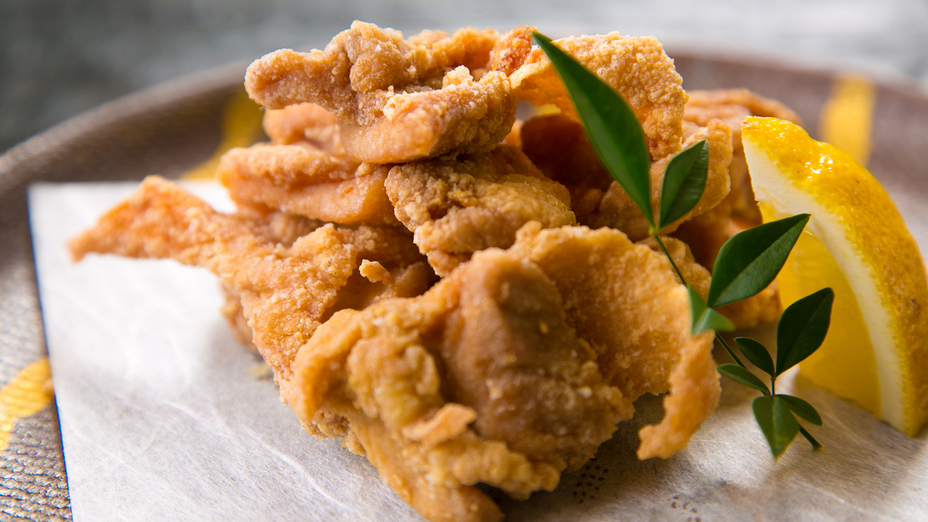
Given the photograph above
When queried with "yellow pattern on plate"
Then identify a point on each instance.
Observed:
(241, 127)
(24, 395)
(847, 117)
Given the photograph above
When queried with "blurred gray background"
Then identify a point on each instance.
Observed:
(61, 57)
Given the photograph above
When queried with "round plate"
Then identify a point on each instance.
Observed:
(172, 128)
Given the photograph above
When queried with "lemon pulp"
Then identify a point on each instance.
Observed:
(851, 371)
(856, 241)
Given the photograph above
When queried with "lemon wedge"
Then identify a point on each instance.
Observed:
(856, 242)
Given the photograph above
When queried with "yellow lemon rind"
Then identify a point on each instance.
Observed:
(879, 254)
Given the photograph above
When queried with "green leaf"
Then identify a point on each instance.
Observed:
(705, 318)
(714, 320)
(742, 375)
(750, 260)
(802, 408)
(684, 182)
(697, 307)
(756, 353)
(611, 126)
(802, 328)
(776, 422)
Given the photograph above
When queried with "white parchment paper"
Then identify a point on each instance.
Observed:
(161, 420)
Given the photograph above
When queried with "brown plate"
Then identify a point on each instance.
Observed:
(174, 127)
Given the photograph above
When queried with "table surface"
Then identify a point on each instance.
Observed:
(59, 59)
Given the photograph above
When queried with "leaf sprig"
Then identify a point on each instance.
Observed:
(801, 331)
(746, 264)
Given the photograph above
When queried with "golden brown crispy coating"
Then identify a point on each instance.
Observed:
(458, 207)
(511, 321)
(511, 369)
(518, 364)
(763, 308)
(305, 123)
(286, 289)
(625, 300)
(480, 380)
(706, 233)
(636, 67)
(731, 106)
(362, 63)
(464, 115)
(436, 502)
(559, 147)
(307, 181)
(235, 316)
(397, 100)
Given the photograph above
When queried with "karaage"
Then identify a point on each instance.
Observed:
(397, 100)
(559, 147)
(286, 290)
(309, 182)
(505, 372)
(406, 255)
(731, 106)
(461, 206)
(636, 67)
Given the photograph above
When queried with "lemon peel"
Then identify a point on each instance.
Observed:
(857, 242)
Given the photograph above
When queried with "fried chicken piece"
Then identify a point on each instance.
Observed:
(706, 233)
(758, 310)
(307, 181)
(458, 207)
(624, 300)
(235, 315)
(436, 502)
(305, 123)
(480, 380)
(510, 370)
(636, 67)
(397, 100)
(731, 107)
(560, 148)
(287, 288)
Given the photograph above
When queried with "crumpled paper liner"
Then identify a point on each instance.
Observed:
(161, 419)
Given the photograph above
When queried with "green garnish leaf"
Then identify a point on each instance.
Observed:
(745, 265)
(705, 318)
(742, 375)
(684, 182)
(714, 320)
(756, 353)
(750, 260)
(776, 422)
(610, 124)
(806, 411)
(802, 328)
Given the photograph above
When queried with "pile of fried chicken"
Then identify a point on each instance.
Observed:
(463, 297)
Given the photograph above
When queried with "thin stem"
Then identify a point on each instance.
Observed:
(728, 349)
(669, 258)
(815, 445)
